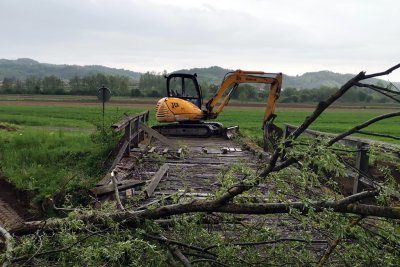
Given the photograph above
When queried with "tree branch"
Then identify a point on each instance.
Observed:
(269, 242)
(8, 241)
(335, 243)
(134, 219)
(377, 88)
(115, 183)
(322, 106)
(25, 257)
(178, 254)
(174, 242)
(355, 129)
(380, 135)
(386, 72)
(381, 91)
(213, 262)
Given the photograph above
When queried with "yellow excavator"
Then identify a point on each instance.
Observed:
(182, 107)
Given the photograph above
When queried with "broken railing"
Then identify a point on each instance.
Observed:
(136, 131)
(133, 134)
(362, 147)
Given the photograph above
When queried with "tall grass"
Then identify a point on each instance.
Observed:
(52, 151)
(49, 162)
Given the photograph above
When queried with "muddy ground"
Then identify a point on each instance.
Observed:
(15, 205)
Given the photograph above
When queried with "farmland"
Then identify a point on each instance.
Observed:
(82, 112)
(54, 143)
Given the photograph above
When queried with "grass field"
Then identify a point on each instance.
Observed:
(249, 119)
(54, 148)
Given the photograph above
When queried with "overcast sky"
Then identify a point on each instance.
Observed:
(275, 36)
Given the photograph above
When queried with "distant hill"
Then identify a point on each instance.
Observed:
(25, 67)
(213, 74)
(317, 79)
(307, 80)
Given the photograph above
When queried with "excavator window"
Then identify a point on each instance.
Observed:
(184, 86)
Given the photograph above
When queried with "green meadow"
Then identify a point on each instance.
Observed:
(334, 121)
(53, 149)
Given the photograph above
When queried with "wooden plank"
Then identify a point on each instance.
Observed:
(211, 150)
(106, 179)
(109, 188)
(127, 166)
(120, 154)
(149, 190)
(158, 136)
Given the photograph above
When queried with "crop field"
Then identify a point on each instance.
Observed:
(82, 112)
(46, 146)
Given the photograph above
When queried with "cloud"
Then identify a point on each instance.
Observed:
(289, 36)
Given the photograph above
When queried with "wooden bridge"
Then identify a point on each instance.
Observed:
(152, 167)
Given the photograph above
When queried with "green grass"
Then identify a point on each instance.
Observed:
(44, 161)
(335, 121)
(79, 117)
(52, 149)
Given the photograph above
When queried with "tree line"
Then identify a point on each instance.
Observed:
(53, 85)
(152, 84)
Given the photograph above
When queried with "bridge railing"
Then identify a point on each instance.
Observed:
(133, 135)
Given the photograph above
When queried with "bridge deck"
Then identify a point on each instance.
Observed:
(194, 170)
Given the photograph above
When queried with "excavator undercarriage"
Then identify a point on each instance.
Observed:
(198, 129)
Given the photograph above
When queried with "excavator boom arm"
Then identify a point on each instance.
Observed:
(233, 79)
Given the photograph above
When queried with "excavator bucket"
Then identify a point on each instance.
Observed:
(229, 132)
(272, 137)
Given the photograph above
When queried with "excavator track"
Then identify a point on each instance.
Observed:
(204, 130)
(187, 130)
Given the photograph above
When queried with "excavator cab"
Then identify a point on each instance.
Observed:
(183, 101)
(186, 87)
